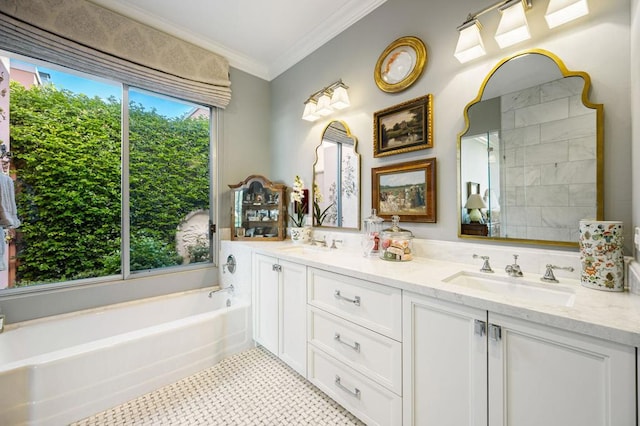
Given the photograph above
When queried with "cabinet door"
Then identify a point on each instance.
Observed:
(265, 301)
(444, 363)
(545, 376)
(293, 315)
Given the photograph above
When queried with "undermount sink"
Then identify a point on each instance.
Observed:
(520, 288)
(304, 249)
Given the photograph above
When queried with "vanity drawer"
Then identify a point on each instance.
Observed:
(374, 306)
(367, 400)
(372, 354)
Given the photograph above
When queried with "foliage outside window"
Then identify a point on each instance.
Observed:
(66, 149)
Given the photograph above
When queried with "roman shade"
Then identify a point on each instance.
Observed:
(89, 38)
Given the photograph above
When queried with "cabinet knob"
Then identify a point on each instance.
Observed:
(277, 268)
(338, 338)
(355, 392)
(480, 327)
(495, 332)
(355, 300)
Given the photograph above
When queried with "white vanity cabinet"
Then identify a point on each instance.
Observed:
(354, 344)
(279, 309)
(464, 366)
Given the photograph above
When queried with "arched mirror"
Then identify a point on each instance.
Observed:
(336, 179)
(530, 158)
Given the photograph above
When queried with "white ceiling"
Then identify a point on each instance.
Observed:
(261, 37)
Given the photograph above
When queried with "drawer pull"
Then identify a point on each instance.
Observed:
(355, 300)
(355, 392)
(355, 346)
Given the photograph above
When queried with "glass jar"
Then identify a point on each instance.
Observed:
(372, 226)
(396, 244)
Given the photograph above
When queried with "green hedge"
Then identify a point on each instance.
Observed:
(67, 151)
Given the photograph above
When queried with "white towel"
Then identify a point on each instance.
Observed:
(8, 209)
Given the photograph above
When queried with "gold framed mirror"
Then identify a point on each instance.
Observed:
(336, 179)
(530, 159)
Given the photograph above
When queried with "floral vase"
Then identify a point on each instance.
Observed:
(300, 235)
(601, 255)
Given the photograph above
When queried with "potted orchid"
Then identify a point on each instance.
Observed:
(299, 232)
(319, 215)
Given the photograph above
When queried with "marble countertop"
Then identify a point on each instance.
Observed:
(613, 316)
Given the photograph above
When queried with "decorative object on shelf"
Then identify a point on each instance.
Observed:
(404, 127)
(319, 215)
(474, 204)
(407, 190)
(400, 64)
(396, 243)
(300, 235)
(326, 101)
(513, 27)
(371, 234)
(258, 209)
(601, 255)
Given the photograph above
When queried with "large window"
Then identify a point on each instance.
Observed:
(100, 190)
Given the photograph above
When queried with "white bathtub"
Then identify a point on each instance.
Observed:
(60, 369)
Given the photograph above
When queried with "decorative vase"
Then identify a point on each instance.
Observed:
(301, 235)
(601, 256)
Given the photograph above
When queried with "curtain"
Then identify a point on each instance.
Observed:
(81, 35)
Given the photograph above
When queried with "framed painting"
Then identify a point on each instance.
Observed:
(404, 127)
(406, 189)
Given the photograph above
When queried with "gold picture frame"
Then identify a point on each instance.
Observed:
(404, 127)
(406, 189)
(400, 64)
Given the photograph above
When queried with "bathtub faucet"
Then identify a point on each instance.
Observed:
(230, 289)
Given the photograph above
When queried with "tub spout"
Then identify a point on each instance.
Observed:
(230, 289)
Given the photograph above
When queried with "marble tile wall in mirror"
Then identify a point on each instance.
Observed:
(533, 146)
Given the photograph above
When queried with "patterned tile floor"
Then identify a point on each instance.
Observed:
(250, 388)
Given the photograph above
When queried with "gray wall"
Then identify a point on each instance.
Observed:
(598, 44)
(244, 147)
(635, 108)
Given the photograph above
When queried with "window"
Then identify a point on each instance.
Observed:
(101, 190)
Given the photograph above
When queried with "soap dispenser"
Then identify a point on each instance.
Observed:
(372, 226)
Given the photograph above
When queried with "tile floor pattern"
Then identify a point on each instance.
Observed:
(249, 388)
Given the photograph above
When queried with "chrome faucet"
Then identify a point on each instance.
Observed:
(322, 242)
(549, 277)
(514, 269)
(229, 288)
(485, 266)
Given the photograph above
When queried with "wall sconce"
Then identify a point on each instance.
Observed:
(513, 27)
(325, 101)
(562, 11)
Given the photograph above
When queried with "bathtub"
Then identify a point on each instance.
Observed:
(61, 369)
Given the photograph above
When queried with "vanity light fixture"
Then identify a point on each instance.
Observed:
(470, 45)
(513, 27)
(325, 101)
(562, 11)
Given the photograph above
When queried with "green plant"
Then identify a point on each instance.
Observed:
(318, 215)
(299, 202)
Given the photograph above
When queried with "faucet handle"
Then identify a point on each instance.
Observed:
(485, 265)
(333, 243)
(549, 276)
(515, 259)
